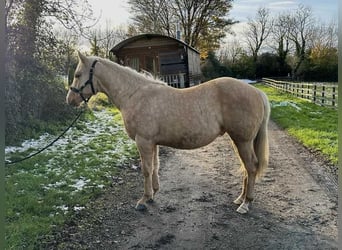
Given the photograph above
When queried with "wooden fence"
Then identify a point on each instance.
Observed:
(324, 94)
(174, 80)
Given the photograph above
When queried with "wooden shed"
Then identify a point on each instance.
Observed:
(165, 57)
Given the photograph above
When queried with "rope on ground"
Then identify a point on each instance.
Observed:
(50, 144)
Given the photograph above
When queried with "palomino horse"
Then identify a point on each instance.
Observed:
(156, 114)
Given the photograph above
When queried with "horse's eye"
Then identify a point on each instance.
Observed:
(77, 75)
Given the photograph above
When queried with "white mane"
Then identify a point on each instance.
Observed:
(149, 75)
(144, 73)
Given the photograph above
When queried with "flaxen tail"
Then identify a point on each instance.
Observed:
(261, 146)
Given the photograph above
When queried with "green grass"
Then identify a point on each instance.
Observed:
(46, 190)
(314, 126)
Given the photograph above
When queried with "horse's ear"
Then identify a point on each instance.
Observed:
(81, 57)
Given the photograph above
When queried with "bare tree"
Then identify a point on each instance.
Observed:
(153, 16)
(203, 23)
(324, 35)
(76, 15)
(111, 36)
(280, 36)
(67, 43)
(231, 52)
(322, 50)
(258, 30)
(33, 55)
(29, 25)
(103, 40)
(94, 38)
(301, 30)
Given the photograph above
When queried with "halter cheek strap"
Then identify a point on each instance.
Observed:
(89, 81)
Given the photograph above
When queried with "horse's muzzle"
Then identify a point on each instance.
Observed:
(73, 99)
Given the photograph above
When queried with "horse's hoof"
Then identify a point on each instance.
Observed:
(141, 207)
(238, 201)
(243, 209)
(150, 201)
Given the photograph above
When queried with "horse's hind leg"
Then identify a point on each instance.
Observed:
(242, 196)
(247, 155)
(146, 150)
(155, 175)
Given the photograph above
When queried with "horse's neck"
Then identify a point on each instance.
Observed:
(118, 83)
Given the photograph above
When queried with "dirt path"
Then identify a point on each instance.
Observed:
(295, 205)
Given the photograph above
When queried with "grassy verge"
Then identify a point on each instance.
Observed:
(44, 191)
(312, 125)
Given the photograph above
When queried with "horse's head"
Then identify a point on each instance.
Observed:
(82, 87)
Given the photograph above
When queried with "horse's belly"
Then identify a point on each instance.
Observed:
(188, 140)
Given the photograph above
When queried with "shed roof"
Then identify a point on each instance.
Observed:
(147, 36)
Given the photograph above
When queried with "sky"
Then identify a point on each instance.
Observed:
(117, 11)
(322, 9)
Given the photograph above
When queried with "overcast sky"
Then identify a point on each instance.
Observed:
(117, 11)
(322, 9)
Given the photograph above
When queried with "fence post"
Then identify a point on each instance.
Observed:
(333, 96)
(286, 87)
(293, 89)
(316, 92)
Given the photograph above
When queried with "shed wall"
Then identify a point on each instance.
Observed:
(164, 57)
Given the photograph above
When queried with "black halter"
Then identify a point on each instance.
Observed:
(89, 81)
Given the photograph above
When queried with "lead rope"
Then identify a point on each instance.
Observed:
(50, 144)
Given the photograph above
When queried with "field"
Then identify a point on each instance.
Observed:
(313, 125)
(44, 192)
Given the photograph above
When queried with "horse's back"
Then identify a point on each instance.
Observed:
(193, 117)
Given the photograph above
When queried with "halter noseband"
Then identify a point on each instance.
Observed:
(89, 81)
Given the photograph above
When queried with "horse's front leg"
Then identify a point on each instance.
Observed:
(146, 150)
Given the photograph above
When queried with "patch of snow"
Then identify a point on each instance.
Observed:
(80, 184)
(93, 129)
(65, 172)
(55, 185)
(248, 81)
(77, 208)
(64, 208)
(286, 103)
(135, 167)
(28, 144)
